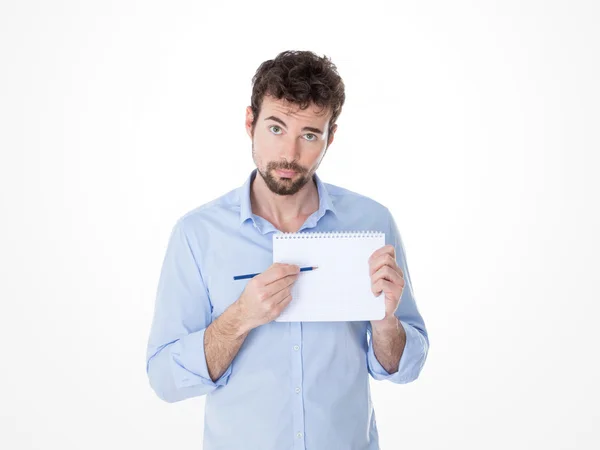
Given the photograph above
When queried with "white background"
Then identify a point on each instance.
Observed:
(476, 123)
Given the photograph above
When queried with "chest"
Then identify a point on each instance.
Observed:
(235, 256)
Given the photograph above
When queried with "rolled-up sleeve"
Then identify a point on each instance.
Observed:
(175, 358)
(417, 340)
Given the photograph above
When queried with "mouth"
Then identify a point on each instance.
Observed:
(285, 173)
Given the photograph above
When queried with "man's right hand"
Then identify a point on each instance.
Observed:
(266, 295)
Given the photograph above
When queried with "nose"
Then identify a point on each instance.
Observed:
(289, 150)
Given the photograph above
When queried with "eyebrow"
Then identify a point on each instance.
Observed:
(277, 119)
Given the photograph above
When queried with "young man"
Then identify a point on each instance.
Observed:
(280, 385)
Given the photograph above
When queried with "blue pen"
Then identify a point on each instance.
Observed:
(250, 275)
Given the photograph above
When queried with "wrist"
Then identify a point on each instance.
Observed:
(230, 323)
(237, 320)
(387, 324)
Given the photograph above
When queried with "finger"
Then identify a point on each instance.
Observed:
(377, 287)
(281, 284)
(389, 274)
(384, 260)
(280, 306)
(384, 286)
(284, 295)
(386, 249)
(276, 272)
(283, 304)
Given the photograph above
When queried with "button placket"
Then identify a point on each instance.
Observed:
(296, 386)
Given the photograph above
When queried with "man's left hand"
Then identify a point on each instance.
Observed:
(386, 276)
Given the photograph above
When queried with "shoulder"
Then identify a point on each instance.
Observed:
(218, 210)
(346, 199)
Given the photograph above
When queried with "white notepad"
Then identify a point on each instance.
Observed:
(340, 289)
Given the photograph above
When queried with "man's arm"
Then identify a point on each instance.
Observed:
(222, 341)
(188, 353)
(388, 344)
(177, 364)
(398, 349)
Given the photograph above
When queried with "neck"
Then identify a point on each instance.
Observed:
(281, 210)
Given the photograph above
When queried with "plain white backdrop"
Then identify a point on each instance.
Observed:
(476, 123)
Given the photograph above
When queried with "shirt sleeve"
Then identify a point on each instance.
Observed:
(175, 358)
(417, 340)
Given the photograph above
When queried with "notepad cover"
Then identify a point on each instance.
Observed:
(340, 289)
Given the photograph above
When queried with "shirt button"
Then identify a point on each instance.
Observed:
(299, 435)
(297, 390)
(296, 348)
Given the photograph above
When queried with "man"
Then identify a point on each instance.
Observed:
(280, 385)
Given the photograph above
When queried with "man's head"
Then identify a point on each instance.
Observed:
(296, 99)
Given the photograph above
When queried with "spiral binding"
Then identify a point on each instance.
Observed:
(328, 234)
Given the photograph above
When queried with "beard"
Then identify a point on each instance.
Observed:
(279, 185)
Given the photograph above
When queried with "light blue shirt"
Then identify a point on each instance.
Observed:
(292, 385)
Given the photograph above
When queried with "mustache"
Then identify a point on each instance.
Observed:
(286, 166)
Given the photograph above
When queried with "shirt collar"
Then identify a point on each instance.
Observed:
(325, 200)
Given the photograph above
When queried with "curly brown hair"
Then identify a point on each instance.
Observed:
(300, 77)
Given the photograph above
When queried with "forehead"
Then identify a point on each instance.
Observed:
(272, 105)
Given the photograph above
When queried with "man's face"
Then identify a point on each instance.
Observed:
(288, 144)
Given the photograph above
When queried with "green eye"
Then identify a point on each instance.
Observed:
(274, 126)
(310, 134)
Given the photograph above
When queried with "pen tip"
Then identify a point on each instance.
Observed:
(315, 267)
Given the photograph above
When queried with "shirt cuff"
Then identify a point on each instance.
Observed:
(188, 362)
(411, 361)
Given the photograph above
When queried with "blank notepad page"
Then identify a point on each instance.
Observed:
(340, 289)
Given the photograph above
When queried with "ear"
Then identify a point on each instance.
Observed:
(331, 135)
(249, 119)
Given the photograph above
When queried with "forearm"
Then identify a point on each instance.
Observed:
(222, 341)
(389, 340)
